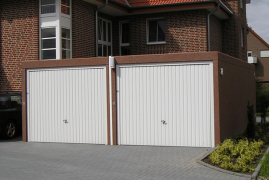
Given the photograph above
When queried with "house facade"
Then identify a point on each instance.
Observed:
(175, 77)
(54, 29)
(258, 54)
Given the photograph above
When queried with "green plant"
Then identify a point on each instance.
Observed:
(262, 132)
(262, 99)
(259, 114)
(236, 156)
(265, 167)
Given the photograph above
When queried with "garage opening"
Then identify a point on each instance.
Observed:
(67, 105)
(167, 104)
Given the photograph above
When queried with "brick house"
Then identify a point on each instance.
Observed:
(40, 38)
(258, 54)
(184, 23)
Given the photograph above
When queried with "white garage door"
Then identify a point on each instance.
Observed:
(166, 104)
(67, 105)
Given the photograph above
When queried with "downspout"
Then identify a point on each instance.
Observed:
(96, 27)
(208, 26)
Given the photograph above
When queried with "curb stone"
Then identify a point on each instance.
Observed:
(258, 168)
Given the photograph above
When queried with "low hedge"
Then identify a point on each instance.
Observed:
(236, 155)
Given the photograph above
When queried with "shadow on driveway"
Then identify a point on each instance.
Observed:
(15, 139)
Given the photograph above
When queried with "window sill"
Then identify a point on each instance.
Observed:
(48, 15)
(66, 15)
(156, 43)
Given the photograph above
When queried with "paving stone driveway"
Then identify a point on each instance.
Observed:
(57, 161)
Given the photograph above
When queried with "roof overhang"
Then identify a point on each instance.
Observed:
(114, 8)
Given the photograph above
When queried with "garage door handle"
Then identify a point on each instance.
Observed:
(163, 121)
(65, 121)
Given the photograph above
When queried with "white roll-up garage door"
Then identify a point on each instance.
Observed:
(166, 104)
(67, 105)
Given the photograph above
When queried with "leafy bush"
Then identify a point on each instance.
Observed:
(236, 156)
(262, 132)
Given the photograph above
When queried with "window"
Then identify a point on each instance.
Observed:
(48, 43)
(242, 4)
(65, 43)
(104, 37)
(249, 53)
(47, 6)
(65, 7)
(155, 31)
(264, 54)
(242, 38)
(124, 38)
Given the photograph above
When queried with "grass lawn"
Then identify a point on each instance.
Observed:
(264, 172)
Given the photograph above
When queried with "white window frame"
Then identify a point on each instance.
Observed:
(250, 53)
(56, 20)
(264, 56)
(40, 44)
(120, 35)
(102, 42)
(47, 14)
(147, 29)
(70, 45)
(69, 7)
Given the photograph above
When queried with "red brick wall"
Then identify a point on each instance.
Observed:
(185, 32)
(18, 40)
(83, 29)
(231, 31)
(215, 34)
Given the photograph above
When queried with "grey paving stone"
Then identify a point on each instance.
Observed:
(59, 161)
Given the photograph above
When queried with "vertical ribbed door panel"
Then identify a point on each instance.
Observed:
(67, 105)
(166, 104)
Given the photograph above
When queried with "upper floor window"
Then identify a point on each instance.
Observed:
(65, 7)
(104, 37)
(264, 53)
(48, 6)
(155, 31)
(242, 4)
(65, 43)
(249, 53)
(242, 37)
(124, 38)
(48, 43)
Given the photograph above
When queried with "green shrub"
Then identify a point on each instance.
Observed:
(262, 132)
(260, 114)
(236, 156)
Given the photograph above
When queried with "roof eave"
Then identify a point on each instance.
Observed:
(222, 5)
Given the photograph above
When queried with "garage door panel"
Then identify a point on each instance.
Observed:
(180, 95)
(77, 95)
